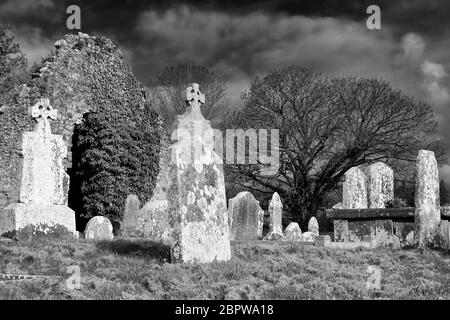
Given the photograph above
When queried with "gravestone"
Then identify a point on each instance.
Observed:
(293, 232)
(313, 226)
(153, 220)
(44, 184)
(194, 194)
(380, 185)
(427, 215)
(130, 217)
(354, 192)
(354, 196)
(380, 189)
(445, 234)
(260, 224)
(308, 236)
(275, 211)
(244, 216)
(99, 228)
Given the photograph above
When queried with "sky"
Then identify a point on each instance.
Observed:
(243, 39)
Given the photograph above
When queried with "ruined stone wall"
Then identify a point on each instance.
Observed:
(83, 74)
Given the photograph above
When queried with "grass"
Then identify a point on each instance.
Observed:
(122, 269)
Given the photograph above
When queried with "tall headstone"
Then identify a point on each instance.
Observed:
(313, 226)
(244, 216)
(427, 212)
(380, 185)
(43, 183)
(260, 224)
(354, 190)
(354, 196)
(130, 217)
(276, 212)
(194, 194)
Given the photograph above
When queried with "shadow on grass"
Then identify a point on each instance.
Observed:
(138, 247)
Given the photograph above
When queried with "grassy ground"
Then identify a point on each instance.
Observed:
(137, 270)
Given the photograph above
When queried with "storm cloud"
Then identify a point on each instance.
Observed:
(243, 40)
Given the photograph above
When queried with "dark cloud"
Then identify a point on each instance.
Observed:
(241, 40)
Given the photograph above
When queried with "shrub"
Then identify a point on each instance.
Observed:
(119, 155)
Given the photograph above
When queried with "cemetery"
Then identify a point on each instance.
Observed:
(166, 219)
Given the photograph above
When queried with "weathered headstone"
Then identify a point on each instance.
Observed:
(44, 184)
(260, 224)
(427, 214)
(354, 196)
(154, 222)
(380, 185)
(244, 216)
(313, 226)
(275, 211)
(293, 232)
(99, 228)
(445, 234)
(130, 217)
(196, 216)
(354, 192)
(308, 236)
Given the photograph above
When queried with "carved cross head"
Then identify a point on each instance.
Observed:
(194, 97)
(42, 110)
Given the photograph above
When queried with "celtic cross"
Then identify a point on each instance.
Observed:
(194, 98)
(42, 111)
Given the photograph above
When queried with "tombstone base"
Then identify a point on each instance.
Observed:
(19, 220)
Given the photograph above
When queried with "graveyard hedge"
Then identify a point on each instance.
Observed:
(118, 154)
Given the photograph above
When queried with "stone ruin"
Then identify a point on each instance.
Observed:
(42, 204)
(423, 225)
(82, 74)
(188, 208)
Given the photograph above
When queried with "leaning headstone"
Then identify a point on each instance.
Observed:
(427, 214)
(130, 217)
(196, 216)
(313, 226)
(99, 228)
(380, 185)
(244, 216)
(354, 190)
(42, 207)
(275, 211)
(293, 232)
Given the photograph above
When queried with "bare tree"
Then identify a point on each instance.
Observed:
(167, 92)
(326, 126)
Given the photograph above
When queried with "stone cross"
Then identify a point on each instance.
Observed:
(42, 111)
(194, 98)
